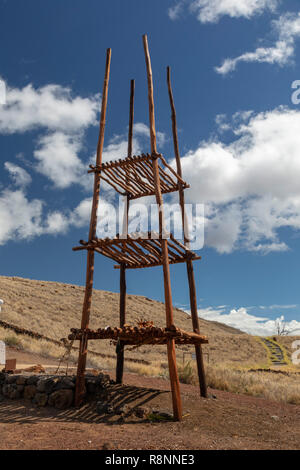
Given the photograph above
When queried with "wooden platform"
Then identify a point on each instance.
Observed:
(139, 250)
(140, 336)
(134, 177)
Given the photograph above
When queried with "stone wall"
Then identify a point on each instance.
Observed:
(46, 390)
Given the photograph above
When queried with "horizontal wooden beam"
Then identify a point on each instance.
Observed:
(140, 335)
(153, 265)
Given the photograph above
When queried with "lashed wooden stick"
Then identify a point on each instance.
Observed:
(174, 379)
(189, 262)
(80, 382)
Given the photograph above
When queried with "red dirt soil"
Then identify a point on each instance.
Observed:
(227, 422)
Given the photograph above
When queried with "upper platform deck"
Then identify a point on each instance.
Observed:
(134, 176)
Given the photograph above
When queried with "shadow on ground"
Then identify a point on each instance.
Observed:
(119, 397)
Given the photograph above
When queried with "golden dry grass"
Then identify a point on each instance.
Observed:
(276, 387)
(52, 308)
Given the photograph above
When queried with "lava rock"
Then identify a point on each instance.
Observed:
(104, 408)
(29, 392)
(141, 412)
(103, 380)
(11, 379)
(47, 385)
(3, 377)
(17, 392)
(21, 380)
(5, 390)
(33, 380)
(41, 385)
(61, 399)
(9, 390)
(41, 399)
(64, 384)
(122, 410)
(91, 385)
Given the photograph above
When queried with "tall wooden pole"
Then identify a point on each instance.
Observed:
(80, 382)
(131, 117)
(120, 346)
(189, 263)
(174, 379)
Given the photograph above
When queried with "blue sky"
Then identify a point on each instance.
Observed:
(233, 65)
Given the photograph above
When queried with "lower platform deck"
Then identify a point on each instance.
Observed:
(140, 335)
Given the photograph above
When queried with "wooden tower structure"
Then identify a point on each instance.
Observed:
(135, 177)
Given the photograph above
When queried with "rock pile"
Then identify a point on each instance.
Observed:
(55, 391)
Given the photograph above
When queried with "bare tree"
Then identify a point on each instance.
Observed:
(281, 327)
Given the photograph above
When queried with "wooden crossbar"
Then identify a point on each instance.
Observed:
(140, 335)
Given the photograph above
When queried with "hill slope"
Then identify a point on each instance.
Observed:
(52, 308)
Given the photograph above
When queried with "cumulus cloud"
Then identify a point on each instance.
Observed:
(287, 30)
(210, 11)
(19, 217)
(276, 307)
(81, 214)
(142, 130)
(20, 176)
(25, 219)
(58, 160)
(175, 11)
(52, 107)
(22, 218)
(117, 146)
(241, 319)
(250, 186)
(61, 120)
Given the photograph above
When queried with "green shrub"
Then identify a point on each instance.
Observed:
(12, 341)
(186, 373)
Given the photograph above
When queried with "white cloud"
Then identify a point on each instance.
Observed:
(210, 11)
(58, 160)
(56, 223)
(287, 29)
(20, 218)
(175, 11)
(81, 214)
(25, 219)
(249, 187)
(51, 107)
(117, 148)
(143, 130)
(278, 307)
(61, 120)
(20, 176)
(64, 117)
(241, 319)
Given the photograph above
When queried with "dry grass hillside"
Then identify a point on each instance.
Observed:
(52, 308)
